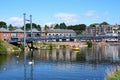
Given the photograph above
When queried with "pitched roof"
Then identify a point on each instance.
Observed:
(4, 30)
(60, 31)
(34, 30)
(18, 30)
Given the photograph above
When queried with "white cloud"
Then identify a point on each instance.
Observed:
(66, 17)
(2, 19)
(15, 21)
(90, 13)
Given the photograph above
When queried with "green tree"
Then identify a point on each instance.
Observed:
(63, 26)
(28, 27)
(79, 29)
(94, 24)
(38, 27)
(11, 28)
(46, 27)
(3, 24)
(57, 26)
(119, 28)
(104, 23)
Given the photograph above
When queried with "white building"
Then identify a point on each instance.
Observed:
(61, 33)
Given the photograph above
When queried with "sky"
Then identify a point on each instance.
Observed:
(71, 12)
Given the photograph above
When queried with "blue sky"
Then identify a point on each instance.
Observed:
(57, 11)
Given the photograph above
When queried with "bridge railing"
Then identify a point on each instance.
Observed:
(29, 39)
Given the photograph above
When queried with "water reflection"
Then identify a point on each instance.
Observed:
(103, 54)
(55, 55)
(88, 63)
(96, 53)
(28, 66)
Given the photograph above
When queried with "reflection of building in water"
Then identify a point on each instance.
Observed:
(56, 55)
(112, 52)
(63, 55)
(103, 53)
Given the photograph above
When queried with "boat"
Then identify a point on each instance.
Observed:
(76, 49)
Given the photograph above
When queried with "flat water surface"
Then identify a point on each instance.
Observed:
(60, 64)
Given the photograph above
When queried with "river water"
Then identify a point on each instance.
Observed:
(60, 64)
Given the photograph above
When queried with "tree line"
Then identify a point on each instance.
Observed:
(79, 29)
(12, 28)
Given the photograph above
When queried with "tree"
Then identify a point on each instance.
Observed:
(93, 25)
(11, 28)
(38, 27)
(78, 28)
(119, 28)
(57, 26)
(3, 24)
(104, 23)
(46, 27)
(28, 27)
(63, 26)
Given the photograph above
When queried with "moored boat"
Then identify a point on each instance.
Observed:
(76, 49)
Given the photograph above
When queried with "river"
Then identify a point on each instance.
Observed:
(60, 64)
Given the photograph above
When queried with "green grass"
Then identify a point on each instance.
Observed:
(115, 76)
(4, 47)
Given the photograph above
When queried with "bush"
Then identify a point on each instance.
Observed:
(15, 48)
(89, 43)
(50, 46)
(22, 46)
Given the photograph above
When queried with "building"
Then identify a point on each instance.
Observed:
(60, 33)
(101, 29)
(19, 34)
(5, 34)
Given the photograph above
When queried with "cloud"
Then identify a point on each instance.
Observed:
(90, 13)
(2, 19)
(15, 21)
(67, 17)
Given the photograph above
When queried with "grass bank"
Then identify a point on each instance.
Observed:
(6, 47)
(115, 75)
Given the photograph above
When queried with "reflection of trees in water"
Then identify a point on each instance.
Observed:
(103, 53)
(95, 54)
(56, 55)
(3, 60)
(112, 52)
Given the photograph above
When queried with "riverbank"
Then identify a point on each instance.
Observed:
(71, 44)
(5, 47)
(115, 75)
